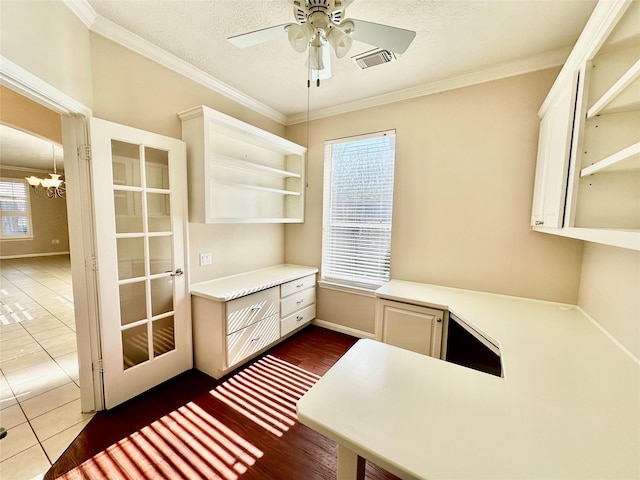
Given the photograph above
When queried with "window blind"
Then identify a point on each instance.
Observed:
(14, 209)
(358, 203)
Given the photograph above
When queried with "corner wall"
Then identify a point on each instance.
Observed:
(465, 162)
(610, 292)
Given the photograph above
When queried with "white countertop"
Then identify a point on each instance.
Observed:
(235, 286)
(567, 407)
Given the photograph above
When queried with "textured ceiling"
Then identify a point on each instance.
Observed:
(454, 37)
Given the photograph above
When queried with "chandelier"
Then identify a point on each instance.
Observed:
(52, 187)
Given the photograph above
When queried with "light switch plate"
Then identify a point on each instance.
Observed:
(205, 259)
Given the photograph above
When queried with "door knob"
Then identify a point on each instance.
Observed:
(177, 273)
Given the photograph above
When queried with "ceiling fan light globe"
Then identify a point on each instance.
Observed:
(315, 58)
(300, 36)
(340, 42)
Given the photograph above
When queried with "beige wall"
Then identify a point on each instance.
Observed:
(46, 39)
(48, 221)
(465, 162)
(610, 291)
(135, 91)
(27, 115)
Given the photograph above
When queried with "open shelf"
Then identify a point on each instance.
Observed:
(259, 188)
(624, 160)
(629, 82)
(239, 173)
(239, 164)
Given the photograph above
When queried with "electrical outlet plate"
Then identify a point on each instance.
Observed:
(205, 259)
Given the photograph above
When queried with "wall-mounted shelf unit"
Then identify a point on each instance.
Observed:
(596, 178)
(239, 173)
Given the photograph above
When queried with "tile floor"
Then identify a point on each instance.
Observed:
(39, 392)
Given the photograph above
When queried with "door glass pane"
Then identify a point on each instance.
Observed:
(163, 336)
(128, 206)
(156, 168)
(158, 207)
(135, 346)
(133, 302)
(126, 163)
(161, 295)
(130, 257)
(160, 255)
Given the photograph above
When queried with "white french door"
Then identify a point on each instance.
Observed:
(139, 187)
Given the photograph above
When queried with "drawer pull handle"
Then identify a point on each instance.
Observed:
(254, 339)
(299, 318)
(299, 301)
(300, 285)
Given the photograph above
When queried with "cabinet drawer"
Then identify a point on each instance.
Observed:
(252, 308)
(297, 319)
(297, 285)
(296, 302)
(249, 340)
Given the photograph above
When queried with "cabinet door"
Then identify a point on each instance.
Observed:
(411, 327)
(251, 339)
(554, 150)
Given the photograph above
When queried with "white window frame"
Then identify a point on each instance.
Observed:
(18, 213)
(329, 278)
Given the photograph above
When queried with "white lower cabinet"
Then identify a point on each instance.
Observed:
(297, 304)
(408, 326)
(227, 333)
(297, 320)
(249, 340)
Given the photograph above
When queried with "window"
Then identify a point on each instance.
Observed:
(14, 209)
(358, 200)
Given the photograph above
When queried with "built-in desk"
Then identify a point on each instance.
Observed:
(238, 317)
(568, 405)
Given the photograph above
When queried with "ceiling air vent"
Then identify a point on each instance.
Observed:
(373, 58)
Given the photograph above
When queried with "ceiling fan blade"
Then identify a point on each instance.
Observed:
(258, 36)
(383, 36)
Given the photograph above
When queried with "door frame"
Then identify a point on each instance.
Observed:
(74, 116)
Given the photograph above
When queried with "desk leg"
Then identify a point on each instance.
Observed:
(350, 465)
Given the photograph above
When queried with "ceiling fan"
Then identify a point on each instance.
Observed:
(322, 23)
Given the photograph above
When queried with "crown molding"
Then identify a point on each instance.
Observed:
(26, 83)
(542, 61)
(82, 10)
(101, 26)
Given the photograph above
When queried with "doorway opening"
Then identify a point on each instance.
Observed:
(40, 394)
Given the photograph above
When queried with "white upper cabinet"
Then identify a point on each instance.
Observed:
(598, 172)
(239, 173)
(554, 148)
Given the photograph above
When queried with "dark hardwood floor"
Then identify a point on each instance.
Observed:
(242, 426)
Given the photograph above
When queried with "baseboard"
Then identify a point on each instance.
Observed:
(342, 329)
(29, 255)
